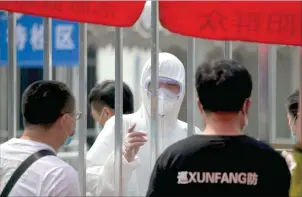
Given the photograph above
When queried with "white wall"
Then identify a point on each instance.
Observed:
(133, 62)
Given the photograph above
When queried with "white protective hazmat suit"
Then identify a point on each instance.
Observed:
(136, 174)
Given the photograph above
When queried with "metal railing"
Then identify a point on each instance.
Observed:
(265, 94)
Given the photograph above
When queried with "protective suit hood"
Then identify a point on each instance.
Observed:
(170, 68)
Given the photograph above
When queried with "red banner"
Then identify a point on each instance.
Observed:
(266, 22)
(111, 13)
(274, 22)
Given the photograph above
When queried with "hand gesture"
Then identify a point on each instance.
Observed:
(133, 141)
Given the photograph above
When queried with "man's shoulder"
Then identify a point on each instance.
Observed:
(60, 179)
(263, 148)
(110, 123)
(7, 144)
(57, 164)
(268, 156)
(190, 145)
(177, 150)
(258, 144)
(57, 169)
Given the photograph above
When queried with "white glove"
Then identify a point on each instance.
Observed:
(134, 140)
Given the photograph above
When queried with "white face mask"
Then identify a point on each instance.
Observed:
(166, 102)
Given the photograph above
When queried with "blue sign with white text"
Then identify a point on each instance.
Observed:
(30, 41)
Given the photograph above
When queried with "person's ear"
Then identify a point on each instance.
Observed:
(99, 121)
(63, 118)
(200, 107)
(289, 119)
(108, 112)
(246, 106)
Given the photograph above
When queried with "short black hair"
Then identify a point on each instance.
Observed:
(104, 94)
(223, 85)
(43, 102)
(292, 103)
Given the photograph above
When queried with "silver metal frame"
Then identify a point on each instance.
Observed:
(263, 111)
(267, 87)
(299, 136)
(272, 93)
(191, 96)
(154, 82)
(47, 67)
(118, 184)
(83, 107)
(266, 106)
(12, 77)
(228, 50)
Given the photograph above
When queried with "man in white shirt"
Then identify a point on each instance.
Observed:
(48, 109)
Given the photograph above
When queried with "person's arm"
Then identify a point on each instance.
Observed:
(159, 180)
(296, 183)
(100, 179)
(61, 181)
(100, 164)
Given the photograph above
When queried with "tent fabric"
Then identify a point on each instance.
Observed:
(257, 21)
(276, 22)
(110, 13)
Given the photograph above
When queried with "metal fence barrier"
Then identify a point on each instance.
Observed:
(267, 92)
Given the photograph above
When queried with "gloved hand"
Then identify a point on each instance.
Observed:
(132, 143)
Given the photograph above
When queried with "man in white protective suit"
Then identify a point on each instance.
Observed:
(136, 129)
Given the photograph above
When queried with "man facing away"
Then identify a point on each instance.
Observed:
(48, 109)
(136, 127)
(221, 161)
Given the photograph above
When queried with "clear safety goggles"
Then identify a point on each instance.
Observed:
(167, 87)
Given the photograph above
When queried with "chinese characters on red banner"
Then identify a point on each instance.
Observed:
(113, 13)
(266, 22)
(214, 21)
(278, 23)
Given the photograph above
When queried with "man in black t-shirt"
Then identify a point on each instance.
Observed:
(221, 161)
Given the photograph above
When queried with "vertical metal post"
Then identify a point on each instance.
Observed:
(272, 94)
(12, 76)
(263, 110)
(228, 51)
(118, 111)
(299, 133)
(154, 82)
(73, 81)
(83, 106)
(4, 136)
(47, 68)
(138, 72)
(190, 86)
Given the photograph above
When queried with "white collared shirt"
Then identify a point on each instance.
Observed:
(48, 176)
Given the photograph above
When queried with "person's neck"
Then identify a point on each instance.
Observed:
(222, 124)
(41, 136)
(222, 129)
